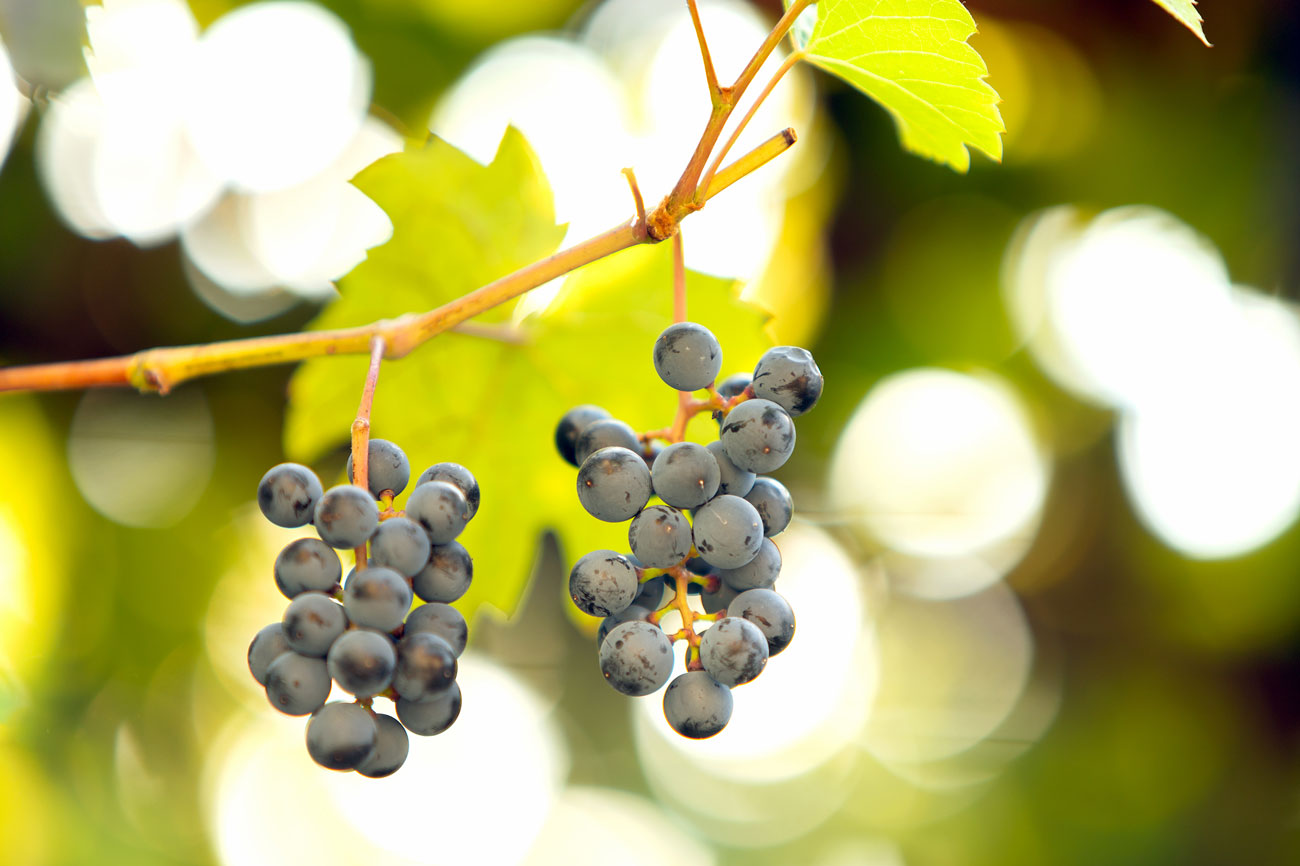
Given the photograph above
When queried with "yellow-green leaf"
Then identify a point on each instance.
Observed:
(492, 405)
(912, 57)
(1185, 11)
(456, 226)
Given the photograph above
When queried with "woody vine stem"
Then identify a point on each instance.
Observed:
(160, 370)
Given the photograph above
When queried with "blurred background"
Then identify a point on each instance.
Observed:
(1045, 564)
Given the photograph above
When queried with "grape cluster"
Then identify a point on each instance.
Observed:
(723, 551)
(361, 632)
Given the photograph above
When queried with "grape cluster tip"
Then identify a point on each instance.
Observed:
(361, 632)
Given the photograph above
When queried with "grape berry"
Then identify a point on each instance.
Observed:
(723, 552)
(362, 633)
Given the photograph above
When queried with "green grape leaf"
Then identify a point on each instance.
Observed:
(456, 226)
(492, 405)
(1185, 11)
(912, 57)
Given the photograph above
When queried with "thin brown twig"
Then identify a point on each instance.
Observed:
(681, 201)
(501, 333)
(679, 279)
(160, 370)
(361, 430)
(747, 164)
(710, 75)
(636, 195)
(707, 178)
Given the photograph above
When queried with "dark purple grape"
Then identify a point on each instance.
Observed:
(288, 493)
(457, 476)
(307, 565)
(387, 468)
(571, 427)
(341, 736)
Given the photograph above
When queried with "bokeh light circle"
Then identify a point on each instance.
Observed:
(940, 464)
(611, 825)
(12, 104)
(65, 153)
(951, 673)
(1212, 463)
(279, 91)
(139, 460)
(270, 804)
(1116, 308)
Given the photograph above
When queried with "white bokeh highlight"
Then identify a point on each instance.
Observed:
(503, 760)
(622, 95)
(1136, 311)
(1116, 308)
(279, 91)
(146, 178)
(942, 468)
(13, 105)
(141, 461)
(951, 673)
(599, 826)
(1212, 466)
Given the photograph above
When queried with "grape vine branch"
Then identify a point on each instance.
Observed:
(160, 370)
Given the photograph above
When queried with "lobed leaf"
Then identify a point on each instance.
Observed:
(912, 57)
(1185, 11)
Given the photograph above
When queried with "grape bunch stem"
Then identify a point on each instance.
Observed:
(160, 370)
(361, 432)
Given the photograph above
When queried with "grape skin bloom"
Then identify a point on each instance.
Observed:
(660, 536)
(631, 613)
(685, 475)
(444, 621)
(636, 658)
(571, 427)
(605, 433)
(401, 545)
(773, 503)
(267, 646)
(377, 598)
(733, 651)
(759, 436)
(687, 356)
(789, 377)
(760, 572)
(613, 484)
(728, 531)
(288, 494)
(731, 478)
(362, 662)
(770, 612)
(697, 706)
(307, 565)
(346, 516)
(312, 622)
(392, 745)
(387, 468)
(440, 508)
(447, 575)
(457, 476)
(341, 736)
(427, 718)
(602, 583)
(426, 665)
(297, 685)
